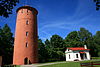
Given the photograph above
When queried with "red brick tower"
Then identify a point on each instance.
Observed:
(26, 38)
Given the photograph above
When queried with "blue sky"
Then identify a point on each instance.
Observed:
(59, 16)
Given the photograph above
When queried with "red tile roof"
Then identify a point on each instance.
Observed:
(78, 48)
(82, 52)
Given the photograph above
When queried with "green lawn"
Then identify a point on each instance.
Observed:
(67, 64)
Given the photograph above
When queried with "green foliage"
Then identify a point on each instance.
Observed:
(84, 35)
(97, 4)
(42, 51)
(6, 7)
(97, 42)
(6, 44)
(56, 41)
(52, 50)
(72, 39)
(58, 46)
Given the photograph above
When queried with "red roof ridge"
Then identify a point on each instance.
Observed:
(77, 48)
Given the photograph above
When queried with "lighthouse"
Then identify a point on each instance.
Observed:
(26, 36)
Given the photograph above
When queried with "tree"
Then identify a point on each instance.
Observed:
(6, 44)
(1, 41)
(47, 42)
(97, 42)
(56, 41)
(72, 39)
(84, 36)
(42, 51)
(57, 44)
(97, 4)
(6, 7)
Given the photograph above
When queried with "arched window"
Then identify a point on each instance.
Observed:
(26, 61)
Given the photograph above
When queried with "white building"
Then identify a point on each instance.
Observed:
(77, 54)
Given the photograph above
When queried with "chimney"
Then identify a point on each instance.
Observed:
(85, 46)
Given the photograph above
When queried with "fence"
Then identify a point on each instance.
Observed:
(90, 64)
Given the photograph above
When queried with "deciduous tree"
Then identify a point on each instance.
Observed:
(6, 7)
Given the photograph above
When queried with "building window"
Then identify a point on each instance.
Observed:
(26, 44)
(85, 56)
(26, 33)
(27, 22)
(76, 55)
(69, 56)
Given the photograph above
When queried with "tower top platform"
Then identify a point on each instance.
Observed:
(27, 7)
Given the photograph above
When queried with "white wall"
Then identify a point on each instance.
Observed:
(88, 55)
(72, 56)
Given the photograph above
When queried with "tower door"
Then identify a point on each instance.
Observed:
(26, 61)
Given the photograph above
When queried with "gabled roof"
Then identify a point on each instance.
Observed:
(78, 48)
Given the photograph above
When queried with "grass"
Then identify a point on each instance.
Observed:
(95, 58)
(17, 65)
(68, 64)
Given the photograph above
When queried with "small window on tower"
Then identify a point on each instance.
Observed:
(27, 11)
(22, 11)
(26, 44)
(27, 22)
(26, 33)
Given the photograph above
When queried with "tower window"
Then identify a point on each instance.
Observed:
(22, 11)
(26, 44)
(26, 33)
(27, 11)
(27, 22)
